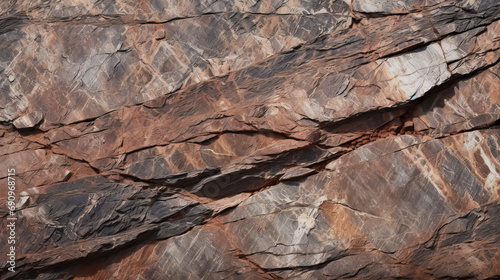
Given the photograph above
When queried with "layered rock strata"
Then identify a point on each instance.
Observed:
(263, 139)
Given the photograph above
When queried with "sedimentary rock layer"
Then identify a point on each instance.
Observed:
(263, 139)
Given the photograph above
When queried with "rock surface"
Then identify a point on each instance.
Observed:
(259, 139)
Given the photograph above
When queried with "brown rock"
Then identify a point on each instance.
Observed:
(262, 139)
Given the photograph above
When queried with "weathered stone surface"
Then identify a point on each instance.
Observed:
(390, 6)
(100, 57)
(260, 139)
(28, 121)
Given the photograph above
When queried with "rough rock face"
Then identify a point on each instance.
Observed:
(259, 139)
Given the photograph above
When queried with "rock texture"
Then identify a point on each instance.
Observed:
(259, 139)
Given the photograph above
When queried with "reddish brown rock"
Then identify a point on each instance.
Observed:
(261, 139)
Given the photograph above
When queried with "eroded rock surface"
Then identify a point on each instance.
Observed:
(261, 139)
